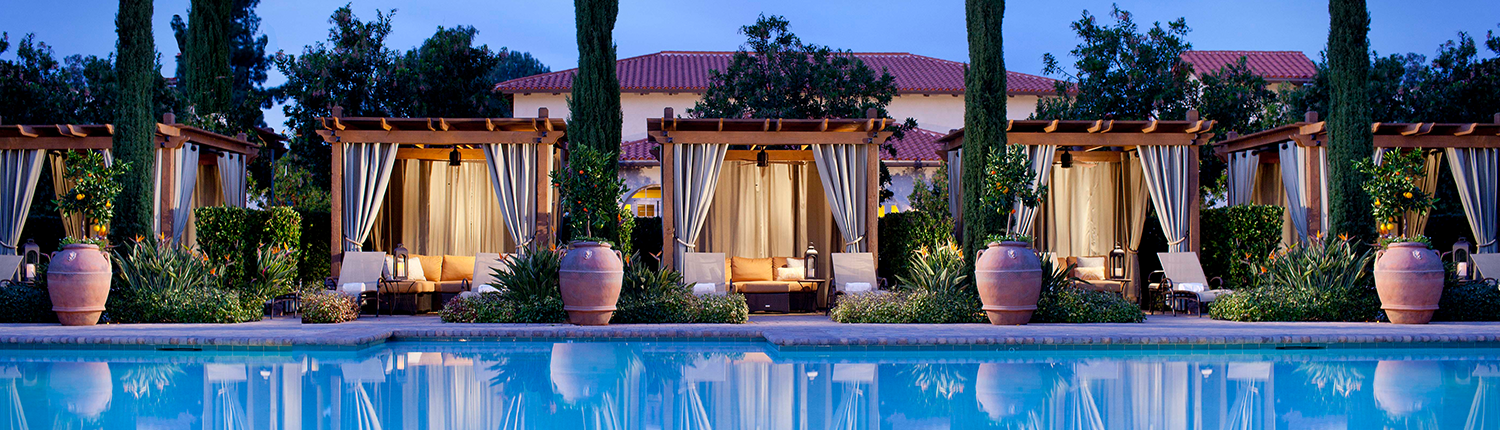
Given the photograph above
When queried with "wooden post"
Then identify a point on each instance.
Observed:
(872, 199)
(336, 195)
(542, 236)
(668, 196)
(1313, 177)
(1195, 201)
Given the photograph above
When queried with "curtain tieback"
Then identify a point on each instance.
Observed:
(1491, 242)
(9, 246)
(1174, 242)
(861, 238)
(523, 245)
(689, 245)
(352, 242)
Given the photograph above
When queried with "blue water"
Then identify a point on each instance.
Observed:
(574, 386)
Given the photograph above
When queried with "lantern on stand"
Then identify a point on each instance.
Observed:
(399, 269)
(1117, 263)
(1460, 258)
(811, 257)
(31, 260)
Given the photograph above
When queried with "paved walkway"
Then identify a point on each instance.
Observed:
(784, 331)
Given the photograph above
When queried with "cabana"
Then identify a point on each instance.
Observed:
(458, 186)
(751, 187)
(1101, 175)
(1288, 166)
(193, 168)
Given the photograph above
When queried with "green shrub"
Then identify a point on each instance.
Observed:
(314, 264)
(902, 234)
(653, 296)
(27, 303)
(1062, 302)
(1242, 235)
(528, 293)
(162, 283)
(939, 269)
(329, 307)
(1468, 301)
(240, 237)
(1322, 281)
(722, 309)
(907, 307)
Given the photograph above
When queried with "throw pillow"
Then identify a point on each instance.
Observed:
(752, 269)
(1089, 273)
(457, 268)
(790, 274)
(797, 263)
(1090, 262)
(414, 270)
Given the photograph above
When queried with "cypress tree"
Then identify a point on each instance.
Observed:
(135, 118)
(1349, 135)
(595, 103)
(207, 79)
(984, 116)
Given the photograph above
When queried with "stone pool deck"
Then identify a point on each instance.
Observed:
(795, 331)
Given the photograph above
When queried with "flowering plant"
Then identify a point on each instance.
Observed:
(95, 185)
(1394, 190)
(1009, 180)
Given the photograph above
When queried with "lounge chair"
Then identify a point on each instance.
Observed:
(9, 265)
(704, 271)
(1181, 283)
(853, 272)
(485, 264)
(1488, 266)
(360, 275)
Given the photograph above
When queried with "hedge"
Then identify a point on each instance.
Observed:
(902, 234)
(235, 235)
(317, 227)
(1239, 233)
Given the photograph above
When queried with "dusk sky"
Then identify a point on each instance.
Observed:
(933, 28)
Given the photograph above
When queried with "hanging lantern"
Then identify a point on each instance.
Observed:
(1117, 263)
(454, 158)
(762, 159)
(811, 257)
(1067, 160)
(401, 255)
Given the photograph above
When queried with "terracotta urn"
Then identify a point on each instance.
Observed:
(1403, 387)
(1009, 277)
(1409, 279)
(590, 280)
(1006, 390)
(584, 370)
(78, 281)
(84, 389)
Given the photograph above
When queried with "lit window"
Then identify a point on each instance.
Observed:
(645, 210)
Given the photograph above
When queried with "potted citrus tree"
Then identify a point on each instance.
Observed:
(1408, 272)
(592, 271)
(79, 274)
(1007, 272)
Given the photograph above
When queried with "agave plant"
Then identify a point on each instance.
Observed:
(938, 269)
(532, 273)
(1333, 263)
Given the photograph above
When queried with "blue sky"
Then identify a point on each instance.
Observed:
(933, 28)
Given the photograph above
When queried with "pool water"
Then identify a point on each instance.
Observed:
(699, 385)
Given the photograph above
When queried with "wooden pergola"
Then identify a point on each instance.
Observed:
(782, 140)
(1099, 141)
(1313, 134)
(435, 139)
(169, 135)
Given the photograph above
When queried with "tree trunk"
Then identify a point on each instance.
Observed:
(984, 117)
(1349, 135)
(595, 106)
(135, 119)
(207, 78)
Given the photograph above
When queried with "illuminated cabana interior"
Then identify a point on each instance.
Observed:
(193, 168)
(1101, 177)
(1287, 166)
(445, 188)
(765, 188)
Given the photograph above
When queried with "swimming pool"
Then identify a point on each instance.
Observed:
(746, 385)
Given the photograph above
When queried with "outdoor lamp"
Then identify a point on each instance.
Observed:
(1460, 257)
(1117, 263)
(401, 256)
(811, 257)
(1067, 160)
(454, 159)
(762, 159)
(32, 256)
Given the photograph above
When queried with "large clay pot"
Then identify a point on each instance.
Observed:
(1006, 390)
(84, 389)
(584, 370)
(1009, 277)
(1409, 279)
(1403, 387)
(78, 281)
(590, 280)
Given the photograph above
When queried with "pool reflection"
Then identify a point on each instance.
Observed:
(736, 386)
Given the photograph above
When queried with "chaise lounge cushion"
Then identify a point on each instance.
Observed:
(751, 269)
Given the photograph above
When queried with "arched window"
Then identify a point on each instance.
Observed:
(645, 201)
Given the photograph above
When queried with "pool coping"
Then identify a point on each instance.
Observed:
(808, 335)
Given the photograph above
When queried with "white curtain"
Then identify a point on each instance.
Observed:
(1320, 154)
(1165, 169)
(1082, 209)
(512, 169)
(184, 163)
(1242, 172)
(232, 178)
(1293, 172)
(22, 168)
(844, 169)
(955, 184)
(696, 168)
(1475, 170)
(757, 212)
(450, 210)
(1041, 165)
(1137, 199)
(367, 172)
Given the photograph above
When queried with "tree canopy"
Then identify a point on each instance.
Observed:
(1122, 73)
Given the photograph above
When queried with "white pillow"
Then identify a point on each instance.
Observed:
(414, 269)
(790, 273)
(1191, 286)
(705, 288)
(1090, 262)
(797, 263)
(1089, 273)
(385, 271)
(857, 287)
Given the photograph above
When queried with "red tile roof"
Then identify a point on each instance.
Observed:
(676, 71)
(1274, 66)
(919, 145)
